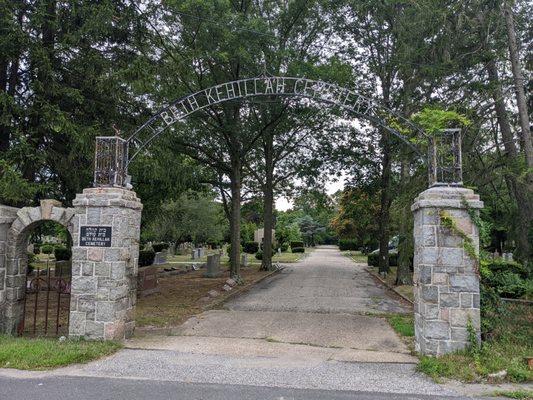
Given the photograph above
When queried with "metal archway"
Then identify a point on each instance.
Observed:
(113, 155)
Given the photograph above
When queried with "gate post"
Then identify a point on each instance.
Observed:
(8, 319)
(446, 269)
(104, 263)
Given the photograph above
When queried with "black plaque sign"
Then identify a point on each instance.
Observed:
(95, 236)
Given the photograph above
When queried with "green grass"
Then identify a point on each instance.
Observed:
(43, 353)
(356, 256)
(515, 394)
(402, 324)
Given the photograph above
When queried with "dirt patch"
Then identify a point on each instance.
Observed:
(180, 297)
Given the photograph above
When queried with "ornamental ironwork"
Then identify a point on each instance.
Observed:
(111, 161)
(111, 170)
(445, 165)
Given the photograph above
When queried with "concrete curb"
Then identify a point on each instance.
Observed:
(389, 286)
(240, 290)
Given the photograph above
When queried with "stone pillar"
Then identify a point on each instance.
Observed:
(104, 276)
(8, 319)
(445, 274)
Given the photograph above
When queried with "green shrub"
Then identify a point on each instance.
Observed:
(61, 253)
(159, 247)
(373, 259)
(146, 258)
(259, 255)
(251, 247)
(297, 243)
(347, 244)
(47, 249)
(298, 250)
(284, 247)
(36, 249)
(229, 249)
(501, 265)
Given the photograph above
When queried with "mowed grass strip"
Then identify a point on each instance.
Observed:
(402, 324)
(47, 353)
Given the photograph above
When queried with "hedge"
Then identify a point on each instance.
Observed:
(298, 250)
(347, 244)
(259, 255)
(297, 244)
(284, 247)
(146, 258)
(159, 247)
(373, 259)
(251, 247)
(47, 249)
(61, 253)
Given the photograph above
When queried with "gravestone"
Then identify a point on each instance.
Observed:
(160, 258)
(244, 260)
(213, 267)
(147, 281)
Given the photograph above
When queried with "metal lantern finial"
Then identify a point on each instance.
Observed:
(111, 162)
(445, 159)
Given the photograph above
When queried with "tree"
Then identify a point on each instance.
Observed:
(193, 216)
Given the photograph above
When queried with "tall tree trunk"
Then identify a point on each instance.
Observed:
(235, 222)
(384, 212)
(519, 87)
(519, 192)
(268, 203)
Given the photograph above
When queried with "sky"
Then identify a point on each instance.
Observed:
(283, 204)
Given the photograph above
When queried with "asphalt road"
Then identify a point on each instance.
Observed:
(85, 388)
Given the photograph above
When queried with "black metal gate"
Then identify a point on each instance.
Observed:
(47, 300)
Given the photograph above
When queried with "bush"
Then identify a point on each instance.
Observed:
(251, 247)
(373, 259)
(298, 250)
(297, 243)
(506, 278)
(36, 248)
(146, 258)
(259, 255)
(47, 249)
(61, 253)
(284, 247)
(229, 249)
(159, 247)
(347, 244)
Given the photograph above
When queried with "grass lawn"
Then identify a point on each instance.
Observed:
(286, 257)
(510, 343)
(515, 394)
(357, 256)
(42, 354)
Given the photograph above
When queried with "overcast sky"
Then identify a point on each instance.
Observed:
(283, 204)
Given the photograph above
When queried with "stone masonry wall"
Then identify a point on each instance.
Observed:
(7, 216)
(445, 276)
(104, 281)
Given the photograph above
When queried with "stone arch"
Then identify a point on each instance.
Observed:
(15, 258)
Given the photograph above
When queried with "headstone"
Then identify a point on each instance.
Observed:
(160, 258)
(213, 293)
(227, 288)
(244, 260)
(231, 282)
(147, 281)
(213, 267)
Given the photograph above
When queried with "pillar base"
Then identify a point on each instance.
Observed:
(445, 275)
(104, 276)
